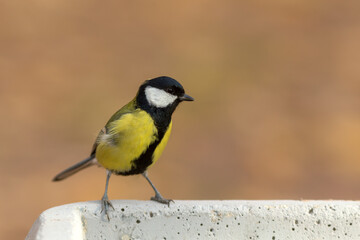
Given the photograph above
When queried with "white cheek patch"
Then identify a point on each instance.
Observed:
(158, 98)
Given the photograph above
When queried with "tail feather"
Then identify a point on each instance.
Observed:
(75, 168)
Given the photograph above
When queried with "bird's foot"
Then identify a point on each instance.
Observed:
(160, 199)
(105, 204)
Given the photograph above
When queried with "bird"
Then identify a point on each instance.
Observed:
(135, 136)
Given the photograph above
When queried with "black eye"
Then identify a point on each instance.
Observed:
(170, 90)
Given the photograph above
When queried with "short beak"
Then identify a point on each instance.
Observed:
(186, 97)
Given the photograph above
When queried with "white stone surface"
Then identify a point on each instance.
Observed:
(270, 220)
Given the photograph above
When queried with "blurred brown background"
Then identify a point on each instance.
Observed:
(276, 83)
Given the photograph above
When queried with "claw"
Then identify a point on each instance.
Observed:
(105, 203)
(160, 199)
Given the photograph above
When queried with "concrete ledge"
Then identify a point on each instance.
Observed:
(270, 220)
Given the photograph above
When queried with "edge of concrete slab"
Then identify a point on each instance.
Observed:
(228, 219)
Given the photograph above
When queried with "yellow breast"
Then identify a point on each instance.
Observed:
(127, 138)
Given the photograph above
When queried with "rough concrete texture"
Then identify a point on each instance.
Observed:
(270, 220)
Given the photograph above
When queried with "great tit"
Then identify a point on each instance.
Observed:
(136, 135)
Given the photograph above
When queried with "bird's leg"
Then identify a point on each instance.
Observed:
(158, 197)
(105, 203)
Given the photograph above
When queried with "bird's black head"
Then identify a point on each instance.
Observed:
(162, 92)
(160, 96)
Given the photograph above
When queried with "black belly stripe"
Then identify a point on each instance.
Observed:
(162, 119)
(145, 160)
